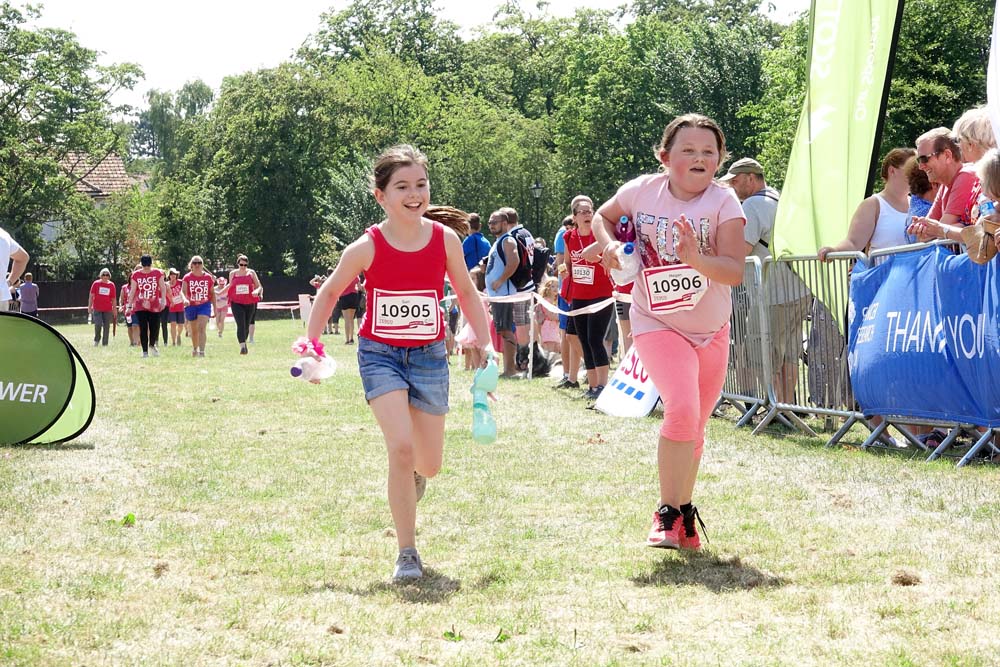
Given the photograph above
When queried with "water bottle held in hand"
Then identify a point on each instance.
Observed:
(484, 427)
(629, 261)
(626, 230)
(310, 369)
(986, 206)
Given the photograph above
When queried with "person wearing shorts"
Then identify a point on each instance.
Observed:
(348, 301)
(198, 294)
(689, 232)
(402, 358)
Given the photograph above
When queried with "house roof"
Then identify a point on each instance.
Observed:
(98, 180)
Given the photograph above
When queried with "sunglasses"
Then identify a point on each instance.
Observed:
(923, 159)
(243, 263)
(194, 263)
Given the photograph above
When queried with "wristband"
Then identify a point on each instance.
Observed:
(305, 347)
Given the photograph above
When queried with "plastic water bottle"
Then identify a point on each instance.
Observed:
(630, 264)
(484, 427)
(986, 206)
(309, 369)
(625, 231)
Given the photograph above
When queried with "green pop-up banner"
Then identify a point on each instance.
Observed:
(828, 171)
(46, 394)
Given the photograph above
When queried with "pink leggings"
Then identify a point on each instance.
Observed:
(689, 380)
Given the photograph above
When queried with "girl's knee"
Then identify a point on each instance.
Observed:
(400, 453)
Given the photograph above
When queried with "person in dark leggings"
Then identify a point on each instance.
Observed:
(589, 285)
(146, 298)
(244, 289)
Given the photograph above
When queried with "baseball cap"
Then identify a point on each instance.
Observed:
(746, 165)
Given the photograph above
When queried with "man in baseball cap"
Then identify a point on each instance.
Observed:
(746, 165)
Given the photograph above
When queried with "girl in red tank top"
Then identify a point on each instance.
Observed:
(401, 352)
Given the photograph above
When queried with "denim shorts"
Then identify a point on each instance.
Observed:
(421, 371)
(191, 313)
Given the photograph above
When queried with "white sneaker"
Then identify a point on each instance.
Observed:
(408, 565)
(155, 352)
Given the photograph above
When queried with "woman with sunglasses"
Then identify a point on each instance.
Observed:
(197, 289)
(244, 290)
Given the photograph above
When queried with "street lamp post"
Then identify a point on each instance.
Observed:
(536, 192)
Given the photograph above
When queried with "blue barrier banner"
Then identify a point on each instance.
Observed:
(922, 337)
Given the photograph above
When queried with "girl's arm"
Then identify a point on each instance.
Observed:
(184, 293)
(164, 291)
(468, 296)
(256, 283)
(860, 233)
(726, 266)
(604, 231)
(131, 294)
(90, 303)
(356, 258)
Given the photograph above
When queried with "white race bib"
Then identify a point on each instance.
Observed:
(178, 299)
(674, 288)
(243, 289)
(409, 315)
(583, 274)
(104, 291)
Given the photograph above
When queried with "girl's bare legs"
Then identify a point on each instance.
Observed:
(349, 325)
(624, 336)
(414, 442)
(201, 327)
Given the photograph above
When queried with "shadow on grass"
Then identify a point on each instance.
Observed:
(58, 446)
(433, 588)
(702, 569)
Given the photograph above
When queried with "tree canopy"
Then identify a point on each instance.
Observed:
(275, 163)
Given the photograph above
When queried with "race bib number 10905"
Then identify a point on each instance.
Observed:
(409, 315)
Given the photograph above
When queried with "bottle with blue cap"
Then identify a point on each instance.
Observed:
(309, 369)
(628, 260)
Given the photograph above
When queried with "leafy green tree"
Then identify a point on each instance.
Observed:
(53, 103)
(407, 29)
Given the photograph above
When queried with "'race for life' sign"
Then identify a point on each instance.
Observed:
(630, 393)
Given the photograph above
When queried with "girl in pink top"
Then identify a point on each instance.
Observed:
(401, 352)
(689, 231)
(221, 292)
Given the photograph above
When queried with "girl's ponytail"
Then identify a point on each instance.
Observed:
(451, 217)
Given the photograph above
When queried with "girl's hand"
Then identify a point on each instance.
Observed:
(488, 354)
(925, 229)
(687, 242)
(609, 256)
(823, 252)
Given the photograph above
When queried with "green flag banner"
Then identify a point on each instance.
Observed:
(46, 393)
(849, 52)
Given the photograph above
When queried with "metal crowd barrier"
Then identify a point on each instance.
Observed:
(788, 354)
(982, 437)
(747, 375)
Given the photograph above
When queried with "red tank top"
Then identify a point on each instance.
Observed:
(242, 290)
(403, 291)
(589, 280)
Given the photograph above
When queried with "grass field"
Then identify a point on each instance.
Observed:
(261, 535)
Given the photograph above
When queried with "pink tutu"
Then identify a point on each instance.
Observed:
(550, 331)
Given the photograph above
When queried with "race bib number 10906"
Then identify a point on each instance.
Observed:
(409, 315)
(674, 288)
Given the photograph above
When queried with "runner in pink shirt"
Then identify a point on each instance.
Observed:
(198, 295)
(689, 231)
(175, 307)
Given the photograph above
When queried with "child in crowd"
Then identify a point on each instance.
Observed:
(401, 351)
(690, 236)
(221, 296)
(547, 321)
(466, 338)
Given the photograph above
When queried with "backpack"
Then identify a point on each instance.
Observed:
(529, 259)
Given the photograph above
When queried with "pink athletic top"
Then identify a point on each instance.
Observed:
(647, 201)
(199, 287)
(403, 290)
(176, 298)
(147, 290)
(241, 289)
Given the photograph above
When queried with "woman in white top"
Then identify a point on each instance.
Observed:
(880, 221)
